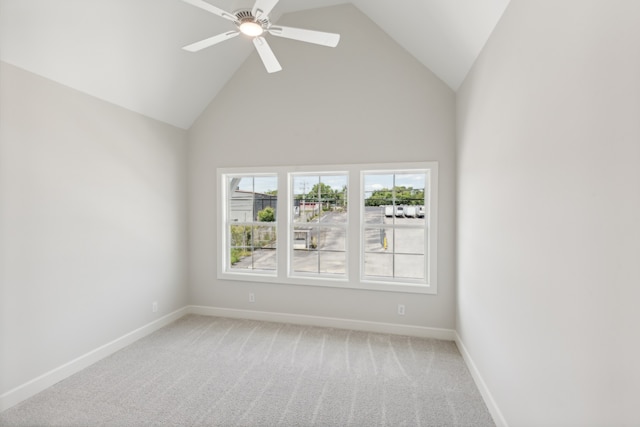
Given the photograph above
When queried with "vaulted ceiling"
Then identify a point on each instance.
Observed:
(128, 52)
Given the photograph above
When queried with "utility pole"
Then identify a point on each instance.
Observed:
(303, 214)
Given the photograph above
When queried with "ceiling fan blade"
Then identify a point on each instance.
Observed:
(263, 7)
(309, 36)
(211, 8)
(194, 47)
(266, 54)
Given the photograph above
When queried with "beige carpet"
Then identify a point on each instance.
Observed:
(210, 371)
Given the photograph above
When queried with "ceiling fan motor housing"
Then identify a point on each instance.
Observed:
(245, 15)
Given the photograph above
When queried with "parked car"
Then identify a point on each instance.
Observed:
(399, 211)
(388, 211)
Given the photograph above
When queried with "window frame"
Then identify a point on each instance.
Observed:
(354, 247)
(225, 254)
(429, 248)
(291, 224)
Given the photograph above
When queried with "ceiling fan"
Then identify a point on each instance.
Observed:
(254, 23)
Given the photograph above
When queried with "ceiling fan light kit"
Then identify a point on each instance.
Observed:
(254, 23)
(251, 29)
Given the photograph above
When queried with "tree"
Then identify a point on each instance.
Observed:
(341, 197)
(400, 195)
(324, 191)
(240, 239)
(267, 214)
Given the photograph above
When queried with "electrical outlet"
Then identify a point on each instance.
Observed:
(401, 309)
(154, 306)
(252, 297)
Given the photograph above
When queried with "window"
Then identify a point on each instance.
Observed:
(319, 225)
(354, 226)
(251, 210)
(394, 225)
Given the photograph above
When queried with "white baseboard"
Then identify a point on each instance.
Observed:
(498, 418)
(328, 322)
(46, 380)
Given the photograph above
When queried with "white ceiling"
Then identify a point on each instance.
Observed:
(128, 52)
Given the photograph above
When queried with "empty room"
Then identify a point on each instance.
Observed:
(321, 212)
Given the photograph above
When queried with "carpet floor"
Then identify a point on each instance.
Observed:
(212, 371)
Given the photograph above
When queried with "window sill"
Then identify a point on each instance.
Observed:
(340, 283)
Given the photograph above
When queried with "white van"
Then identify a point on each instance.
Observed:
(411, 211)
(388, 211)
(399, 211)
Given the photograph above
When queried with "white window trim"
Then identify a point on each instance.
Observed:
(354, 275)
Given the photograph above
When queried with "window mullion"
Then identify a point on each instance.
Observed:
(354, 227)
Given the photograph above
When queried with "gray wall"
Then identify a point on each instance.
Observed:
(92, 223)
(548, 213)
(365, 101)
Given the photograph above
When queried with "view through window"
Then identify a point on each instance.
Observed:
(319, 225)
(251, 222)
(394, 209)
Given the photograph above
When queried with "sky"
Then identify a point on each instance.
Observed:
(303, 183)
